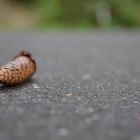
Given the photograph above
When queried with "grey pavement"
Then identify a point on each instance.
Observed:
(87, 87)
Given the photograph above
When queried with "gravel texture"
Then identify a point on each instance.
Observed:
(87, 87)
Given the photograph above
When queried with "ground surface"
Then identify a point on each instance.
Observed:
(87, 87)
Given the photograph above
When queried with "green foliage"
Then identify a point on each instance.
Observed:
(89, 12)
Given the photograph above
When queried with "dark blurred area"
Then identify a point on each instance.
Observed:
(24, 14)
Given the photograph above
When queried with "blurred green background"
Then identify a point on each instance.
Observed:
(26, 14)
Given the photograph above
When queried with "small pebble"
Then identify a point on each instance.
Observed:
(28, 91)
(35, 86)
(136, 102)
(69, 94)
(90, 110)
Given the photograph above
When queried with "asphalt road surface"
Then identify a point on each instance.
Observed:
(87, 87)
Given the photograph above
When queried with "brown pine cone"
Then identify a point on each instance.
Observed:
(21, 68)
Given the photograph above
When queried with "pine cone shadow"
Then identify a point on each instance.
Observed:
(25, 84)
